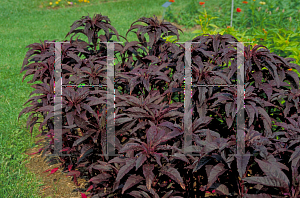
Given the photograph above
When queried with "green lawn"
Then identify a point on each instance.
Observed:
(23, 23)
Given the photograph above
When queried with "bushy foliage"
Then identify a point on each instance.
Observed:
(149, 109)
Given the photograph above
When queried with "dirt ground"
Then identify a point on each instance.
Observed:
(55, 185)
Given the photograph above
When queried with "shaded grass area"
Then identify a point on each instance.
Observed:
(24, 23)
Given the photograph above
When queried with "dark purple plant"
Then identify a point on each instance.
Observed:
(149, 107)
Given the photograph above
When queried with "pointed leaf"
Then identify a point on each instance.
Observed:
(267, 89)
(295, 154)
(131, 181)
(74, 173)
(273, 171)
(201, 162)
(130, 147)
(222, 190)
(215, 172)
(267, 181)
(261, 195)
(149, 175)
(125, 169)
(265, 115)
(83, 195)
(181, 157)
(174, 175)
(242, 162)
(99, 178)
(139, 194)
(53, 171)
(140, 160)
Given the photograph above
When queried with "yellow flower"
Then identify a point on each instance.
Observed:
(56, 2)
(59, 0)
(50, 3)
(88, 1)
(262, 3)
(69, 2)
(85, 1)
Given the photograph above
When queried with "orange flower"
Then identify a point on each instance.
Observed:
(238, 9)
(228, 26)
(264, 31)
(201, 3)
(290, 69)
(245, 2)
(172, 1)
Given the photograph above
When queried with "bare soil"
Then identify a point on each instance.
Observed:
(55, 185)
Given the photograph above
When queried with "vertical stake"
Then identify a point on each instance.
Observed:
(165, 5)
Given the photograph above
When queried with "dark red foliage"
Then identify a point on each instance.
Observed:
(149, 109)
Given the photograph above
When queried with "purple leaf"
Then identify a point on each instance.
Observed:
(267, 89)
(201, 162)
(152, 191)
(157, 158)
(149, 175)
(130, 44)
(130, 146)
(181, 157)
(242, 162)
(265, 115)
(174, 175)
(125, 169)
(295, 154)
(215, 172)
(251, 112)
(151, 133)
(261, 195)
(273, 171)
(117, 160)
(267, 181)
(222, 190)
(102, 167)
(142, 157)
(137, 110)
(100, 178)
(87, 135)
(168, 194)
(74, 173)
(139, 194)
(292, 75)
(131, 181)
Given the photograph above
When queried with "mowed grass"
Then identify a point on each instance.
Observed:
(23, 23)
